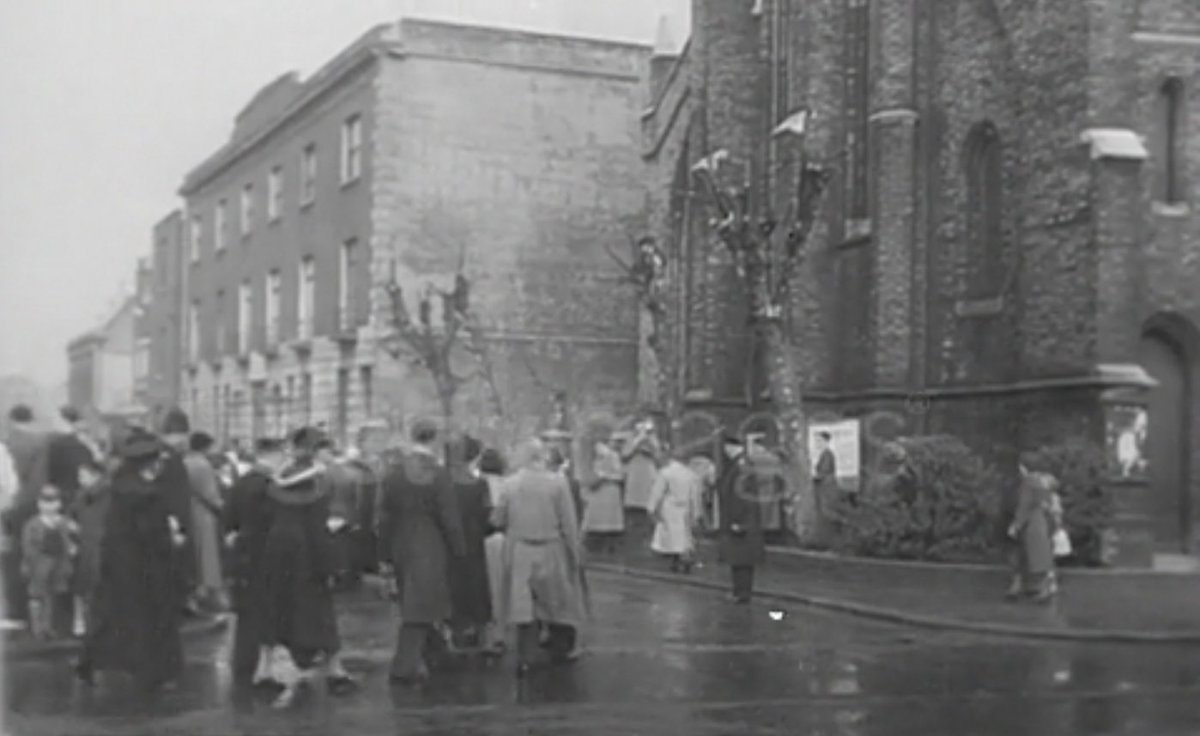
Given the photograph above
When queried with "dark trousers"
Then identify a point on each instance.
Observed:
(416, 646)
(559, 641)
(247, 638)
(742, 577)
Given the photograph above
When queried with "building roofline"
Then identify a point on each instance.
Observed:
(174, 214)
(87, 338)
(349, 59)
(385, 37)
(528, 33)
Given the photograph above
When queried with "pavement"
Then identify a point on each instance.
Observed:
(668, 659)
(1096, 612)
(20, 644)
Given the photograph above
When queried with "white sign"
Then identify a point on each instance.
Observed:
(844, 439)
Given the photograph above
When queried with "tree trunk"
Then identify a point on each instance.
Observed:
(788, 406)
(783, 376)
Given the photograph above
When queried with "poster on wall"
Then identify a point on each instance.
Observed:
(1126, 427)
(842, 447)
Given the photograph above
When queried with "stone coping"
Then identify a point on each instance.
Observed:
(822, 556)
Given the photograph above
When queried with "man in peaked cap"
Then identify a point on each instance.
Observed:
(741, 536)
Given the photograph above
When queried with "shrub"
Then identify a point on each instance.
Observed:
(938, 502)
(1087, 503)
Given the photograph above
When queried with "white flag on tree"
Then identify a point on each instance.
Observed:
(795, 124)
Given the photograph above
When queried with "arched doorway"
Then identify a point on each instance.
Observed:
(1164, 356)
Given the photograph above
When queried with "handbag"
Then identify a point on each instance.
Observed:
(1061, 542)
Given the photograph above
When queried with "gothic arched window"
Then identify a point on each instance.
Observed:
(1171, 135)
(984, 170)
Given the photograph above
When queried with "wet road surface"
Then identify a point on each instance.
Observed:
(667, 660)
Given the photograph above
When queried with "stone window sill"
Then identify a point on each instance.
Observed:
(979, 307)
(1171, 209)
(857, 228)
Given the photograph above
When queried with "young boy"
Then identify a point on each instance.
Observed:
(48, 548)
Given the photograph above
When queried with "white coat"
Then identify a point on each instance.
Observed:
(675, 502)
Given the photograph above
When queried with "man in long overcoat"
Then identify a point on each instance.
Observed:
(175, 433)
(469, 592)
(344, 514)
(542, 585)
(297, 571)
(741, 539)
(247, 520)
(136, 613)
(419, 526)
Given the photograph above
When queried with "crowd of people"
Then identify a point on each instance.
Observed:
(117, 542)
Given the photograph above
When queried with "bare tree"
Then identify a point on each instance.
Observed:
(766, 252)
(432, 344)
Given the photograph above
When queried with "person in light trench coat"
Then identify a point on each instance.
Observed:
(603, 516)
(542, 586)
(675, 505)
(207, 509)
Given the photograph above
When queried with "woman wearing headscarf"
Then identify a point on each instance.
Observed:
(542, 583)
(135, 613)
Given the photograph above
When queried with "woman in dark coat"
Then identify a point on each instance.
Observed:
(741, 540)
(419, 530)
(470, 594)
(247, 521)
(298, 563)
(136, 612)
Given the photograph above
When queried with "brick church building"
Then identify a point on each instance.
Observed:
(1013, 219)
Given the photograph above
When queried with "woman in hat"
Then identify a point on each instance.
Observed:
(136, 616)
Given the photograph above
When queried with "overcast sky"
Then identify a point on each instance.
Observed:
(106, 104)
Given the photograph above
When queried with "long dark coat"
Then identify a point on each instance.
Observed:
(470, 593)
(90, 510)
(178, 489)
(247, 513)
(420, 530)
(297, 562)
(135, 609)
(741, 538)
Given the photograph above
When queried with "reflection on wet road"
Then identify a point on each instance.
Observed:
(667, 660)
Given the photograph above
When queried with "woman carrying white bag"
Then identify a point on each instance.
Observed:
(1060, 540)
